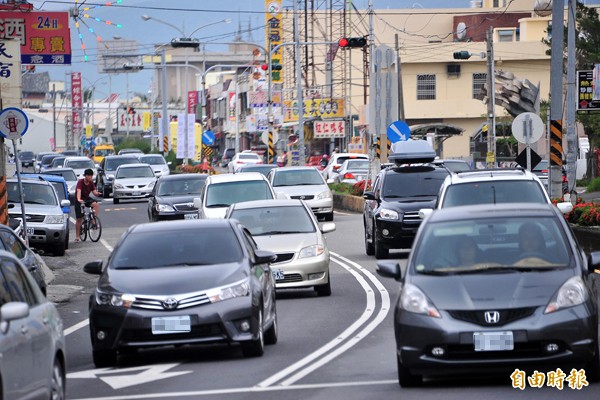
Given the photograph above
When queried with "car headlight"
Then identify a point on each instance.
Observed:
(114, 299)
(324, 195)
(384, 213)
(110, 177)
(238, 289)
(118, 186)
(311, 251)
(571, 293)
(164, 208)
(54, 219)
(414, 300)
(151, 184)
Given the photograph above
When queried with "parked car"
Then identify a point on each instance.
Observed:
(12, 243)
(352, 171)
(494, 287)
(133, 181)
(106, 172)
(221, 191)
(68, 174)
(157, 162)
(26, 158)
(227, 156)
(46, 162)
(79, 165)
(289, 229)
(182, 283)
(173, 197)
(47, 226)
(391, 210)
(58, 183)
(304, 183)
(243, 158)
(38, 160)
(335, 162)
(32, 341)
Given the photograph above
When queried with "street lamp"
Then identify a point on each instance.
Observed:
(185, 41)
(91, 98)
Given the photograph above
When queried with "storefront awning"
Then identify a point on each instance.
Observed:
(438, 129)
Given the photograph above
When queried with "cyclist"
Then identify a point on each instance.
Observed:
(84, 188)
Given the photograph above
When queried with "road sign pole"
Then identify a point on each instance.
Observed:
(527, 131)
(18, 167)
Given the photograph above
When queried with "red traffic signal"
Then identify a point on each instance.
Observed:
(343, 42)
(274, 67)
(352, 42)
(264, 67)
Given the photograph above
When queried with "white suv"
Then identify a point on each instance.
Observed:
(493, 186)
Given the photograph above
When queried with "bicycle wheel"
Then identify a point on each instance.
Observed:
(83, 232)
(95, 230)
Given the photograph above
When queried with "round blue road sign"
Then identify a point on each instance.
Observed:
(398, 131)
(208, 138)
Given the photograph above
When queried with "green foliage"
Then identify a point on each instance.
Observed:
(594, 185)
(133, 143)
(356, 189)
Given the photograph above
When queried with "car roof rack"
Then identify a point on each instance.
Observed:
(411, 152)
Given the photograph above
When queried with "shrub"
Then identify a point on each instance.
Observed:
(359, 188)
(594, 185)
(195, 169)
(133, 143)
(340, 187)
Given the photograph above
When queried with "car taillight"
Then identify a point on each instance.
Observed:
(239, 162)
(336, 167)
(349, 176)
(545, 171)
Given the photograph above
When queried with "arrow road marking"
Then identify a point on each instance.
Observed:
(150, 373)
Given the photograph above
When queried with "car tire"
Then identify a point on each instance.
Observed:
(272, 334)
(592, 369)
(67, 241)
(115, 201)
(380, 251)
(324, 290)
(405, 378)
(369, 249)
(59, 249)
(329, 216)
(59, 381)
(255, 347)
(104, 358)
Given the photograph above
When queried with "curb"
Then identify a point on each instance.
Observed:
(348, 202)
(48, 274)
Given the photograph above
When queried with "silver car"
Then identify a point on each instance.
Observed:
(289, 229)
(304, 183)
(353, 171)
(133, 181)
(32, 341)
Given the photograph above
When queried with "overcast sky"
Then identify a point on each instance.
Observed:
(187, 15)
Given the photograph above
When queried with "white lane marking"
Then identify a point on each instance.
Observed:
(117, 379)
(316, 358)
(105, 244)
(344, 213)
(253, 389)
(76, 327)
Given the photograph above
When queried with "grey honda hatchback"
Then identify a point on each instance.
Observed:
(493, 288)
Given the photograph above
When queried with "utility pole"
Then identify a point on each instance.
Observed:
(54, 115)
(299, 95)
(491, 117)
(572, 147)
(556, 99)
(164, 144)
(401, 116)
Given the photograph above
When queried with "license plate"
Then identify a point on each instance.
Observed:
(136, 193)
(493, 341)
(30, 231)
(278, 274)
(190, 216)
(166, 325)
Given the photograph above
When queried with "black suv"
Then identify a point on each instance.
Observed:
(106, 172)
(26, 158)
(391, 212)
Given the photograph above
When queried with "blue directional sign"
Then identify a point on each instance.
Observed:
(208, 138)
(398, 131)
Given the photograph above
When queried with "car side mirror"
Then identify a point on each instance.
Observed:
(425, 212)
(389, 269)
(593, 261)
(565, 207)
(330, 180)
(169, 163)
(65, 203)
(369, 196)
(264, 256)
(93, 267)
(328, 227)
(198, 202)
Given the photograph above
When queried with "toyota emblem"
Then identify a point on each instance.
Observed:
(170, 303)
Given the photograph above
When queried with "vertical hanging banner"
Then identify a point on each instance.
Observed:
(274, 33)
(192, 102)
(77, 103)
(10, 73)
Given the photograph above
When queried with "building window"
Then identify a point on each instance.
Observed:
(505, 35)
(426, 87)
(479, 81)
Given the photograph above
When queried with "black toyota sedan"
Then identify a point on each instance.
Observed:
(173, 197)
(183, 283)
(494, 288)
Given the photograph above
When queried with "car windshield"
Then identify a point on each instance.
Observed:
(32, 193)
(58, 162)
(80, 164)
(226, 193)
(180, 187)
(153, 160)
(275, 220)
(490, 244)
(156, 249)
(47, 160)
(113, 163)
(297, 178)
(457, 166)
(59, 187)
(135, 172)
(413, 182)
(67, 174)
(26, 154)
(494, 192)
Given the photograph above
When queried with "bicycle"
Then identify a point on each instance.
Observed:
(90, 225)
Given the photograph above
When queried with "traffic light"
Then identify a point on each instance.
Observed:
(274, 67)
(462, 55)
(352, 42)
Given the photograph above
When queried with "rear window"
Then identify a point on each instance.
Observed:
(297, 178)
(352, 165)
(226, 193)
(493, 192)
(249, 156)
(154, 160)
(413, 182)
(217, 245)
(26, 154)
(68, 175)
(340, 160)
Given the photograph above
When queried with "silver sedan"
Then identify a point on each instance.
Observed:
(353, 171)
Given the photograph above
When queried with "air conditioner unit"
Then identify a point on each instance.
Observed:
(453, 69)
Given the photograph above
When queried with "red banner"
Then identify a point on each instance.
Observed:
(192, 102)
(77, 103)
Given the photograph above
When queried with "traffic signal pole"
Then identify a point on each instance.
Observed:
(491, 117)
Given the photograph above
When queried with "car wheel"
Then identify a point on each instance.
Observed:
(58, 381)
(59, 249)
(405, 378)
(115, 201)
(324, 290)
(272, 334)
(255, 347)
(67, 242)
(592, 369)
(380, 251)
(369, 249)
(104, 358)
(329, 216)
(105, 192)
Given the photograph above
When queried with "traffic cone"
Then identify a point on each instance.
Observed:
(205, 164)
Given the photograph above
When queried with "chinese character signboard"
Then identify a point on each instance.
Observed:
(44, 36)
(329, 129)
(77, 103)
(588, 89)
(10, 73)
(274, 32)
(192, 102)
(324, 108)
